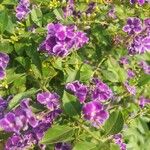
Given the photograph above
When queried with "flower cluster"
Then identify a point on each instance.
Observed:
(28, 128)
(51, 100)
(93, 111)
(141, 39)
(101, 91)
(22, 9)
(80, 90)
(68, 10)
(4, 59)
(140, 2)
(118, 140)
(61, 40)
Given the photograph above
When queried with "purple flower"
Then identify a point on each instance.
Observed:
(4, 59)
(95, 113)
(22, 9)
(145, 67)
(130, 89)
(63, 146)
(15, 142)
(51, 100)
(91, 7)
(140, 2)
(61, 40)
(134, 25)
(3, 106)
(130, 73)
(101, 91)
(2, 73)
(78, 89)
(143, 101)
(124, 60)
(147, 25)
(111, 13)
(68, 10)
(19, 119)
(140, 44)
(119, 141)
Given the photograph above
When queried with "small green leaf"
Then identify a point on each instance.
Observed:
(17, 98)
(72, 75)
(85, 73)
(36, 15)
(110, 76)
(3, 20)
(114, 124)
(71, 106)
(57, 134)
(114, 147)
(82, 145)
(34, 55)
(58, 13)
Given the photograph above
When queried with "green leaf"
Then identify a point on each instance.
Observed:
(114, 147)
(82, 145)
(10, 26)
(36, 15)
(72, 75)
(85, 73)
(59, 14)
(6, 47)
(34, 55)
(71, 106)
(114, 124)
(17, 98)
(3, 20)
(110, 76)
(58, 133)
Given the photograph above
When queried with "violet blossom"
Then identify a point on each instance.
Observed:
(101, 91)
(68, 10)
(95, 113)
(143, 101)
(119, 141)
(63, 146)
(130, 74)
(145, 67)
(61, 40)
(130, 89)
(50, 100)
(134, 25)
(22, 9)
(123, 60)
(80, 90)
(139, 45)
(4, 60)
(19, 119)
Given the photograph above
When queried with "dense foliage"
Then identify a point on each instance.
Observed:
(74, 74)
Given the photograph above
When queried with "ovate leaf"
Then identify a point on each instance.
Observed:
(114, 124)
(82, 145)
(17, 98)
(57, 134)
(36, 15)
(71, 106)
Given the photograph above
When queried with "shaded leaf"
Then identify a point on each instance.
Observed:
(114, 124)
(71, 106)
